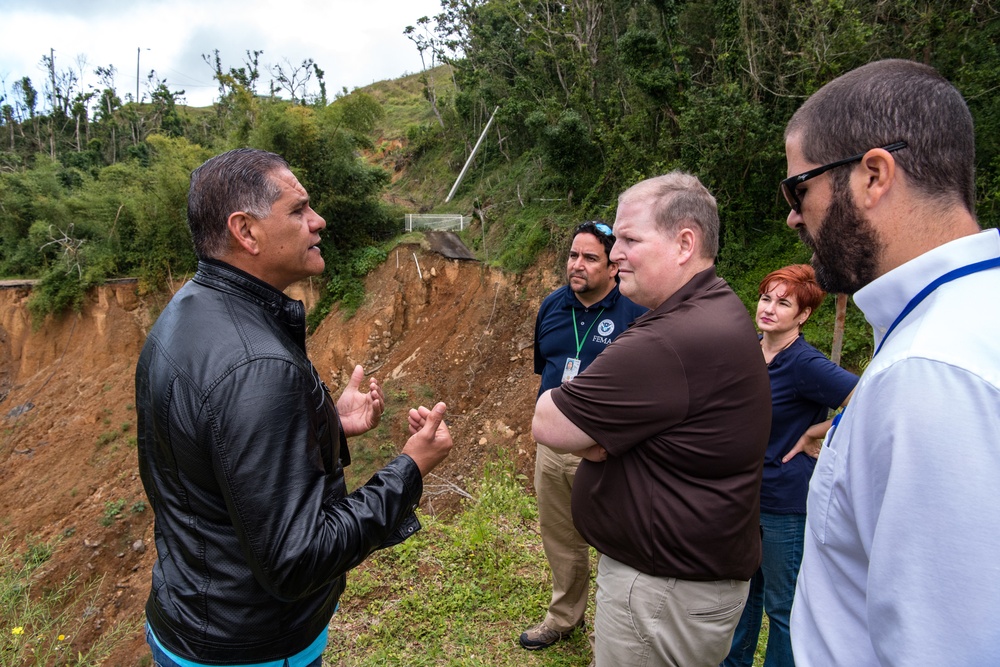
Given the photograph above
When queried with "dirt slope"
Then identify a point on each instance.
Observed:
(456, 331)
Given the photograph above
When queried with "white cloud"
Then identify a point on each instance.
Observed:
(354, 43)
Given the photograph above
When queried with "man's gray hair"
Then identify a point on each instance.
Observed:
(888, 101)
(239, 180)
(680, 200)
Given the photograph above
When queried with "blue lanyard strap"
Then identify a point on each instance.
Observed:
(954, 274)
(961, 271)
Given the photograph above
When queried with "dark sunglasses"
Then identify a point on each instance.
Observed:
(592, 226)
(789, 186)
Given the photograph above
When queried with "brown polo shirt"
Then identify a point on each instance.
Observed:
(681, 402)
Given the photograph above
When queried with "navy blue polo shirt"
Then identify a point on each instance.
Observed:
(805, 385)
(596, 326)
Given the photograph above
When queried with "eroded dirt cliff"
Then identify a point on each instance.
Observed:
(454, 331)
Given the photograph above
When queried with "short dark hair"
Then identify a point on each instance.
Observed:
(238, 180)
(591, 227)
(799, 281)
(679, 199)
(888, 101)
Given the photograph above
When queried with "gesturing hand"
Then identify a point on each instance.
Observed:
(431, 440)
(360, 412)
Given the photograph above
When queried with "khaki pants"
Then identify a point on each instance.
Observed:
(567, 552)
(645, 621)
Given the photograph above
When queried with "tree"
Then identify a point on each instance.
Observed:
(237, 106)
(107, 120)
(293, 78)
(425, 43)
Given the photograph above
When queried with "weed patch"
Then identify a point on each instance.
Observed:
(37, 623)
(112, 511)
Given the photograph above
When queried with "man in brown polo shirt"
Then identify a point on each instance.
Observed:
(672, 421)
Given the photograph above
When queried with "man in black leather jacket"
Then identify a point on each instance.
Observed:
(241, 448)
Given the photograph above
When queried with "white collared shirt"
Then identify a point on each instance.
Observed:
(901, 564)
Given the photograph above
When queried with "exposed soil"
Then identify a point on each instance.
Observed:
(458, 332)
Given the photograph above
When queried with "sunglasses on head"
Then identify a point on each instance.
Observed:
(789, 186)
(592, 226)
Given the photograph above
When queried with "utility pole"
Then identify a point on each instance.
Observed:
(471, 156)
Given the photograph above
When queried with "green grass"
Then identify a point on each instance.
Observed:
(758, 656)
(112, 511)
(404, 102)
(459, 592)
(38, 621)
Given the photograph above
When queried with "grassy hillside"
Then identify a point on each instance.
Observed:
(519, 210)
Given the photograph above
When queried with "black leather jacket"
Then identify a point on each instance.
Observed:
(241, 454)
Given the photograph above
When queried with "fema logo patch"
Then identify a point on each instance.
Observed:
(605, 328)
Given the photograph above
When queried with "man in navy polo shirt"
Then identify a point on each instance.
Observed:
(575, 323)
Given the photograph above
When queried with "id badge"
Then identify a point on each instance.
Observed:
(571, 369)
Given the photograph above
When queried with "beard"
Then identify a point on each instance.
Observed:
(847, 249)
(578, 287)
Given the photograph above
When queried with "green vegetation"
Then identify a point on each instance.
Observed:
(593, 97)
(99, 190)
(590, 98)
(112, 511)
(106, 438)
(39, 623)
(345, 283)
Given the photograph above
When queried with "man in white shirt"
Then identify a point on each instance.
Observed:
(902, 553)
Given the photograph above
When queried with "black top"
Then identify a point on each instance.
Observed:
(241, 454)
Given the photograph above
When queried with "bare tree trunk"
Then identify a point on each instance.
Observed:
(478, 212)
(838, 329)
(432, 95)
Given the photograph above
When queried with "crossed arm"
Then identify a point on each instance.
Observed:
(553, 429)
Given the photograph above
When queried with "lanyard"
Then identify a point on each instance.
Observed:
(579, 345)
(954, 274)
(925, 292)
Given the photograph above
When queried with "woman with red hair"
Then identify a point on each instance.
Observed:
(805, 385)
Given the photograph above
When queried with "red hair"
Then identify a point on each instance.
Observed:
(800, 282)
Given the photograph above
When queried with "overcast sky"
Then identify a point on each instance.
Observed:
(355, 42)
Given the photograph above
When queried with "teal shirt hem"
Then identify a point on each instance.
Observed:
(300, 659)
